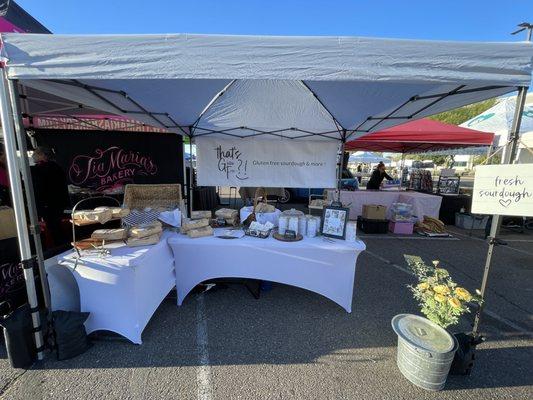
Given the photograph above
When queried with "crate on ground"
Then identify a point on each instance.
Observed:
(368, 225)
(470, 221)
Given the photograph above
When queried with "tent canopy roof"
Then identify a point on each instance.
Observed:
(367, 157)
(420, 136)
(262, 86)
(499, 119)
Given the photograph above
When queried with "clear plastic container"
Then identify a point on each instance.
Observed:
(401, 212)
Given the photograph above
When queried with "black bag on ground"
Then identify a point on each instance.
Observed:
(70, 334)
(18, 335)
(465, 355)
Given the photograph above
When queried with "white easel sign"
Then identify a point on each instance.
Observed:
(503, 190)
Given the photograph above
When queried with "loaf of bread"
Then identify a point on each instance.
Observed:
(187, 225)
(116, 212)
(150, 229)
(103, 215)
(201, 214)
(143, 241)
(201, 232)
(110, 234)
(227, 213)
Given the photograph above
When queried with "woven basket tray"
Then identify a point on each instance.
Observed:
(153, 196)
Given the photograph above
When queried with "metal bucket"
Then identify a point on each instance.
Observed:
(425, 351)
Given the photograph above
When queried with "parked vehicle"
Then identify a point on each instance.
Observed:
(348, 182)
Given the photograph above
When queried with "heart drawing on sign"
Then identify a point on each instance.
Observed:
(505, 203)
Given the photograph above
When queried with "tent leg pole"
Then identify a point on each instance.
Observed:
(191, 177)
(339, 170)
(402, 164)
(507, 158)
(28, 187)
(20, 212)
(185, 183)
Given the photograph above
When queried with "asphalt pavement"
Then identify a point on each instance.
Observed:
(294, 344)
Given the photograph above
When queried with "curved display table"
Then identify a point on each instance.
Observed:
(322, 266)
(123, 290)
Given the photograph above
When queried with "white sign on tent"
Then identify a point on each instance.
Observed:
(503, 190)
(268, 163)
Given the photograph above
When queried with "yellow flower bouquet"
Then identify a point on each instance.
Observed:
(439, 297)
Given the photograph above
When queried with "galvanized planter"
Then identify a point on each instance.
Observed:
(425, 351)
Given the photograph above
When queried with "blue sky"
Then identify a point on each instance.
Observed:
(472, 20)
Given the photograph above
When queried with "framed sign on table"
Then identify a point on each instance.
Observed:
(334, 220)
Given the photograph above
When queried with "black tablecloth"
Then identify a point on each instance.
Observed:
(205, 198)
(452, 203)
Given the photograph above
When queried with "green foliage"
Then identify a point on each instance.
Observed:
(439, 297)
(494, 160)
(438, 160)
(463, 114)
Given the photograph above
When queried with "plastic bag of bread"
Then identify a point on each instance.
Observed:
(153, 228)
(201, 232)
(201, 214)
(102, 215)
(110, 234)
(143, 241)
(116, 212)
(227, 213)
(187, 225)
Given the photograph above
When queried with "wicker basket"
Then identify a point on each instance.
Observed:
(260, 193)
(154, 196)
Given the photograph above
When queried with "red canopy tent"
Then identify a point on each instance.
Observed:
(419, 136)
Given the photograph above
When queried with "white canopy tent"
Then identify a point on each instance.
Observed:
(282, 88)
(291, 87)
(367, 157)
(499, 120)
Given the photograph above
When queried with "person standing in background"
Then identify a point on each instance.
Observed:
(51, 192)
(377, 177)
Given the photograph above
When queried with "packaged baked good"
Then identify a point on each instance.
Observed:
(201, 214)
(201, 232)
(110, 234)
(143, 241)
(146, 230)
(116, 212)
(102, 215)
(227, 213)
(187, 225)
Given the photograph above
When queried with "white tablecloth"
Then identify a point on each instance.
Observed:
(123, 290)
(423, 204)
(327, 268)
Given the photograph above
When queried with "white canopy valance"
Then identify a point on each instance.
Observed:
(260, 86)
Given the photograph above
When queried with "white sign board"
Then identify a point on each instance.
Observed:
(503, 190)
(268, 163)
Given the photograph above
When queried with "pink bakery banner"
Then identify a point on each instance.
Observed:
(6, 26)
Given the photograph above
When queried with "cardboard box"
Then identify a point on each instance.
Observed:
(8, 228)
(374, 211)
(401, 228)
